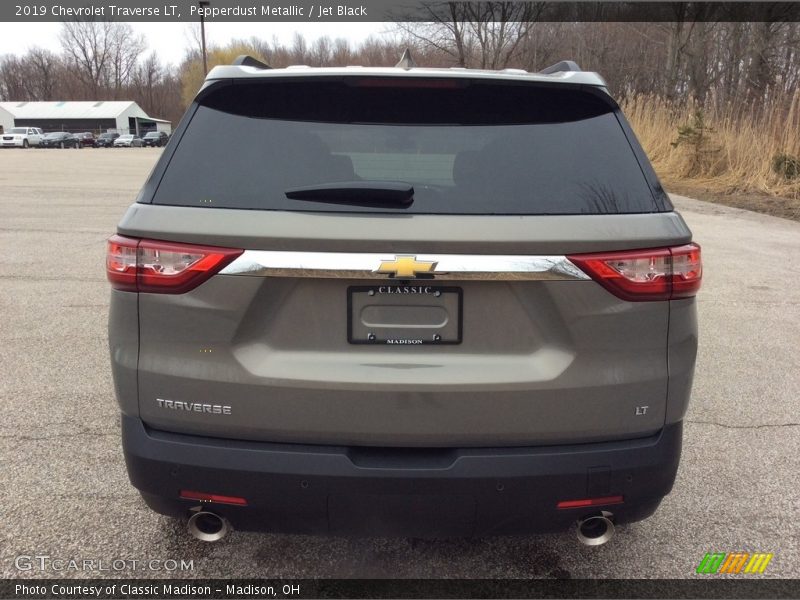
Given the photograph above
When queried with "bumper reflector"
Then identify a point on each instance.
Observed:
(218, 499)
(603, 501)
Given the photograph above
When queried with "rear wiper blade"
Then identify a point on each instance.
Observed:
(357, 193)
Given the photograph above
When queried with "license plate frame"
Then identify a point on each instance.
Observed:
(450, 299)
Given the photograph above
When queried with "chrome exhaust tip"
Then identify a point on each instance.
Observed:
(207, 526)
(597, 529)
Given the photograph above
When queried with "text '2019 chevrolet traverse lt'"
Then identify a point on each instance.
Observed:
(403, 301)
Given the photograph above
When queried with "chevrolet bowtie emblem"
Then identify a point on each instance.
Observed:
(404, 267)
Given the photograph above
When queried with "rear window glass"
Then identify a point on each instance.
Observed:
(466, 147)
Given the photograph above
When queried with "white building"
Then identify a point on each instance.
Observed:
(121, 116)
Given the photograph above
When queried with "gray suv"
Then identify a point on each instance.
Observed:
(403, 301)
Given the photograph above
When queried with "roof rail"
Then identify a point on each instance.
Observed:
(561, 67)
(244, 60)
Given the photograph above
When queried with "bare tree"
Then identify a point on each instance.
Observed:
(146, 78)
(13, 78)
(125, 48)
(500, 29)
(487, 35)
(299, 48)
(321, 52)
(192, 35)
(45, 73)
(102, 53)
(444, 30)
(341, 53)
(86, 46)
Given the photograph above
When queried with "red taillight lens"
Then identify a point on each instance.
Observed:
(162, 267)
(121, 262)
(639, 275)
(217, 498)
(177, 268)
(687, 270)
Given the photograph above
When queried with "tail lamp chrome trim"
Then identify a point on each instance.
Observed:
(347, 265)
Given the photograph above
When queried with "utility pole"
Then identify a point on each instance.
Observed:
(202, 4)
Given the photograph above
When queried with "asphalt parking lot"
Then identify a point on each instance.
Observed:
(63, 487)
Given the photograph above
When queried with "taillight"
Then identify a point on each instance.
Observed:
(639, 275)
(162, 267)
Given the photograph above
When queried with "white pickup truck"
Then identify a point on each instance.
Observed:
(22, 137)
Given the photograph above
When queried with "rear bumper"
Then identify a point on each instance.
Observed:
(409, 492)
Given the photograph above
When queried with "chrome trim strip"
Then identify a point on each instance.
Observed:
(351, 265)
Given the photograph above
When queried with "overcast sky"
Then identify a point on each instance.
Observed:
(170, 40)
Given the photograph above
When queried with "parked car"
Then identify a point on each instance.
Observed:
(21, 137)
(87, 139)
(128, 140)
(441, 302)
(60, 139)
(106, 140)
(155, 138)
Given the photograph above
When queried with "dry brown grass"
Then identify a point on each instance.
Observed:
(743, 144)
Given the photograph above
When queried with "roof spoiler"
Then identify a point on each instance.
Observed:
(244, 60)
(561, 67)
